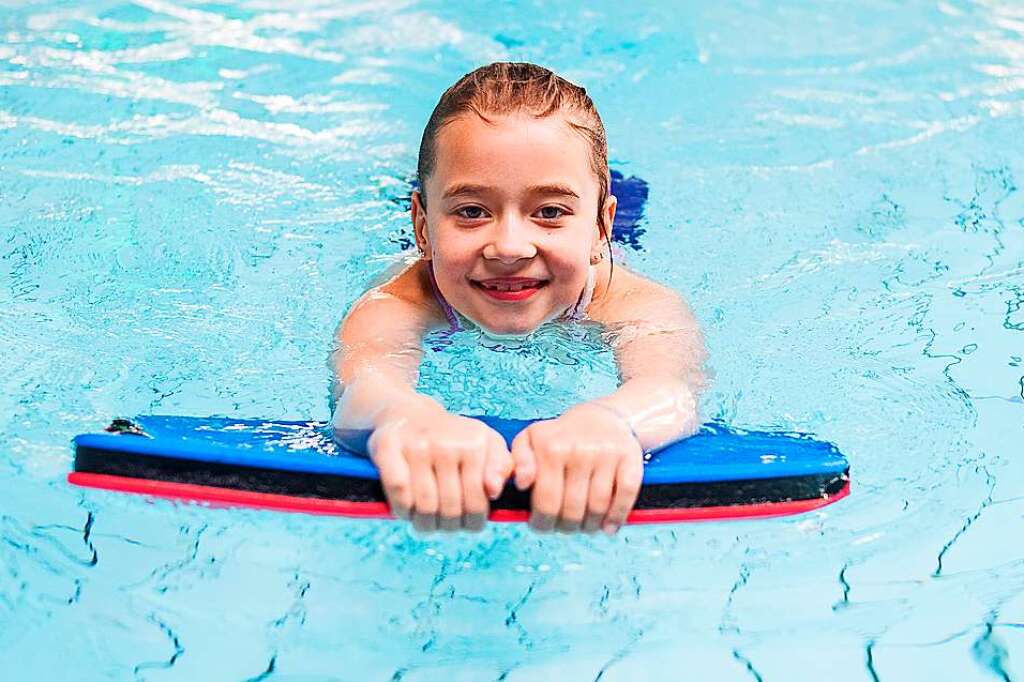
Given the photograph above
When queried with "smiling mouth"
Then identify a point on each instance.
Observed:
(510, 288)
(510, 283)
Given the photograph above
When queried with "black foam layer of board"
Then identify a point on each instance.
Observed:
(354, 489)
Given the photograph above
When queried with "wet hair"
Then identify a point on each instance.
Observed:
(520, 87)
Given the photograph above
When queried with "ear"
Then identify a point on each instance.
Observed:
(419, 225)
(604, 241)
(611, 203)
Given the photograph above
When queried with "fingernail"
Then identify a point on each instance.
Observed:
(610, 528)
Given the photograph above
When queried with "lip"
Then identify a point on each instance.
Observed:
(531, 286)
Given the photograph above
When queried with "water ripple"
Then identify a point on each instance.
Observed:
(191, 194)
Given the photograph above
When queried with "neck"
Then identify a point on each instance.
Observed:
(602, 279)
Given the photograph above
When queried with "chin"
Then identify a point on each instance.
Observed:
(508, 331)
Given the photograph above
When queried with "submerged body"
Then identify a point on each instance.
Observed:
(509, 240)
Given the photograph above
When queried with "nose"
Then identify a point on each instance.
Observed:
(510, 241)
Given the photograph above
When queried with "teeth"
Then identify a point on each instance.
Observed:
(508, 287)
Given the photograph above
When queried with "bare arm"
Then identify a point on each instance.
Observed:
(377, 358)
(660, 352)
(435, 467)
(586, 466)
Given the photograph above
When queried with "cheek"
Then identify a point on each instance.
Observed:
(568, 254)
(452, 264)
(452, 250)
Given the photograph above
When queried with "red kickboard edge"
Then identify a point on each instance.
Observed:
(230, 497)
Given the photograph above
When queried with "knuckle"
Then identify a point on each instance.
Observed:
(475, 463)
(381, 439)
(631, 481)
(448, 457)
(481, 434)
(555, 451)
(398, 486)
(583, 457)
(475, 456)
(470, 453)
(417, 451)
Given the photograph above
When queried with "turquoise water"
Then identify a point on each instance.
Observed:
(191, 194)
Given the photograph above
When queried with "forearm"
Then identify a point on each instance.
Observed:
(370, 398)
(658, 410)
(372, 375)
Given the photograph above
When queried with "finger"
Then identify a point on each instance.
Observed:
(574, 497)
(628, 477)
(394, 475)
(424, 488)
(541, 522)
(449, 490)
(524, 460)
(600, 497)
(497, 467)
(474, 499)
(546, 499)
(424, 523)
(474, 522)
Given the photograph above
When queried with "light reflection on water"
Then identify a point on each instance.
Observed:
(190, 195)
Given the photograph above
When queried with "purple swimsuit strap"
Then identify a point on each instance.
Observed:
(449, 312)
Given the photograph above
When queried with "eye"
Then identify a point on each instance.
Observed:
(551, 212)
(471, 212)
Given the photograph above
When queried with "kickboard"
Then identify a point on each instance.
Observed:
(719, 473)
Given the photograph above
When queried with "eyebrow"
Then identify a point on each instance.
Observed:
(471, 189)
(553, 189)
(464, 188)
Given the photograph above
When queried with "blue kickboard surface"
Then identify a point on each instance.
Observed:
(716, 453)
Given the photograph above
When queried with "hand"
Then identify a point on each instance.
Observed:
(438, 469)
(585, 467)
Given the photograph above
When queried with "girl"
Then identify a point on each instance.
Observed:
(511, 219)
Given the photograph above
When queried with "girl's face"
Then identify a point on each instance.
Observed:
(511, 219)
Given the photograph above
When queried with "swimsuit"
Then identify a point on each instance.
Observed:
(574, 314)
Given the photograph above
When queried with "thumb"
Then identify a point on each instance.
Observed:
(497, 468)
(524, 459)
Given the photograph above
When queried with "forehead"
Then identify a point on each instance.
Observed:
(514, 150)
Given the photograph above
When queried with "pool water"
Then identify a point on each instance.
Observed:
(191, 195)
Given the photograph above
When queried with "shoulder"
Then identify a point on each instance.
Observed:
(652, 329)
(402, 297)
(631, 296)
